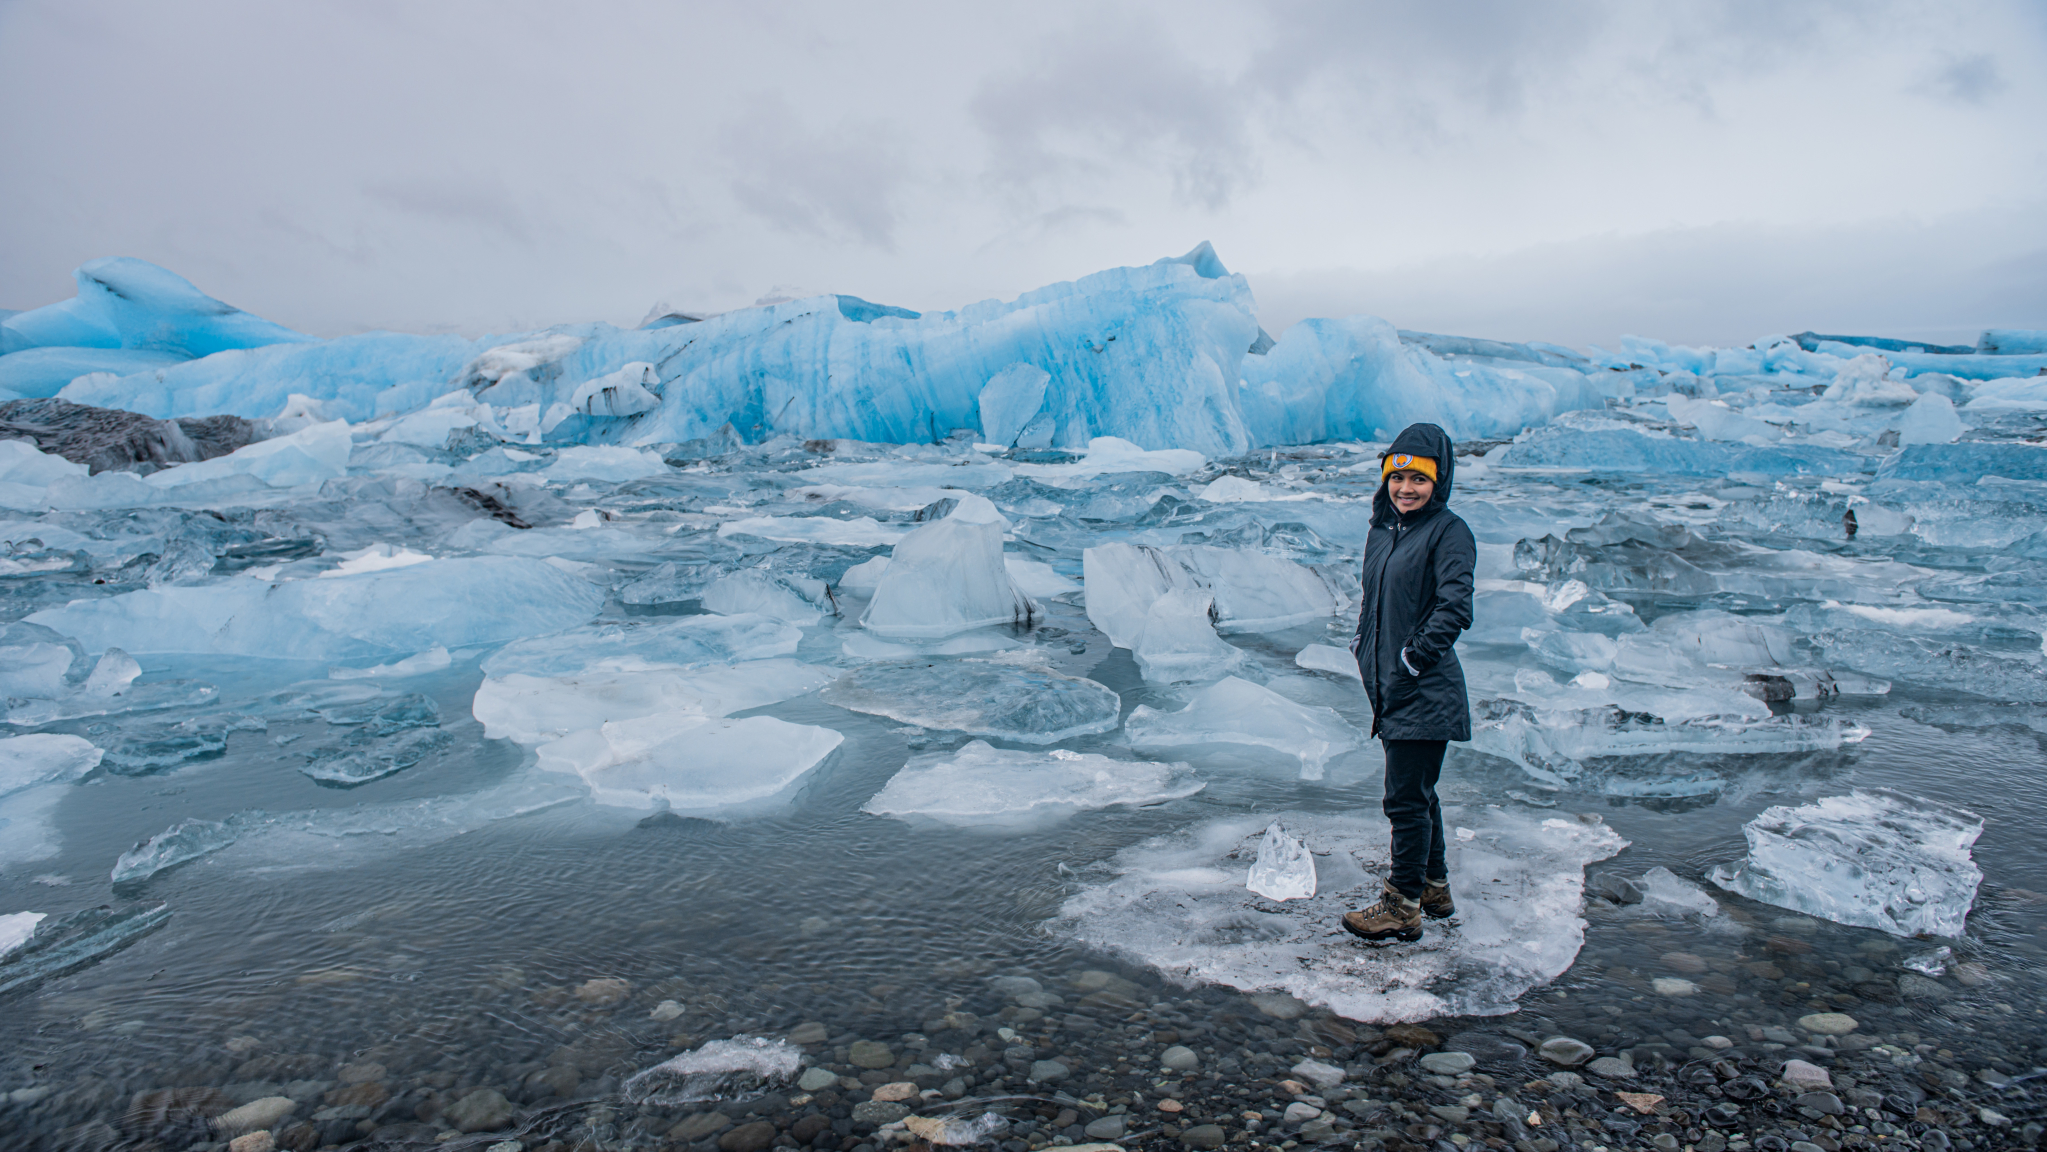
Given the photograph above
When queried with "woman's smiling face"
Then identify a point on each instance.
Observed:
(1409, 489)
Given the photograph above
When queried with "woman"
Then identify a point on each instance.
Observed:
(1417, 598)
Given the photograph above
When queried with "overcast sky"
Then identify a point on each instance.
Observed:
(1566, 170)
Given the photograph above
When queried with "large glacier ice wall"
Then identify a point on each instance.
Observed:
(1167, 355)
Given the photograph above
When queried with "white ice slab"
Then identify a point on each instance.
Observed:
(695, 765)
(948, 577)
(1872, 859)
(1178, 903)
(982, 786)
(1178, 642)
(535, 709)
(1235, 711)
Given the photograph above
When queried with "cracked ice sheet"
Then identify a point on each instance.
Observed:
(1178, 903)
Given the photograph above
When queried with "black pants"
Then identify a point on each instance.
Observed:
(1412, 767)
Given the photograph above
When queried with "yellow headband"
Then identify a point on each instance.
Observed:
(1401, 462)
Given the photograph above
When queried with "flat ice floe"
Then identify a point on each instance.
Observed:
(981, 785)
(694, 765)
(1234, 711)
(535, 709)
(1179, 904)
(980, 698)
(396, 612)
(1870, 859)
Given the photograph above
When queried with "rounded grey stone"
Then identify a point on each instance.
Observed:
(1108, 1128)
(1565, 1052)
(1047, 1071)
(816, 1078)
(1448, 1063)
(878, 1112)
(481, 1111)
(1611, 1067)
(1203, 1136)
(870, 1054)
(1179, 1058)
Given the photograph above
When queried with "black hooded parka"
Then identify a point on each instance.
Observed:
(1417, 596)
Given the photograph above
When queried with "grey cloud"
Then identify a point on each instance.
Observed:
(836, 183)
(1970, 79)
(484, 205)
(1110, 92)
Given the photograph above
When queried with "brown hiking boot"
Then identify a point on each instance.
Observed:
(1436, 902)
(1394, 917)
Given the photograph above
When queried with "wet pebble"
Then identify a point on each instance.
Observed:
(1566, 1052)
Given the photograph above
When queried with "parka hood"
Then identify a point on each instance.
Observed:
(1420, 440)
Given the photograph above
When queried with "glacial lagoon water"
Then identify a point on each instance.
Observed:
(387, 956)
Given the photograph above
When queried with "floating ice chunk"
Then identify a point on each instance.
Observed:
(670, 583)
(1123, 581)
(1256, 592)
(1027, 705)
(948, 577)
(351, 765)
(453, 603)
(515, 358)
(1232, 490)
(75, 941)
(44, 758)
(1036, 579)
(308, 456)
(1178, 903)
(1326, 658)
(123, 302)
(1973, 459)
(1550, 743)
(181, 842)
(1636, 450)
(1178, 642)
(1355, 378)
(434, 659)
(863, 578)
(621, 393)
(736, 1068)
(1234, 711)
(449, 413)
(112, 675)
(1716, 421)
(798, 600)
(603, 462)
(980, 785)
(1283, 870)
(375, 558)
(16, 928)
(1109, 454)
(534, 709)
(36, 661)
(1665, 893)
(1010, 403)
(1930, 420)
(681, 642)
(695, 765)
(859, 532)
(21, 463)
(1866, 383)
(1870, 859)
(1253, 592)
